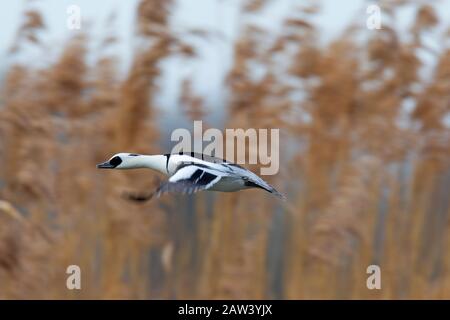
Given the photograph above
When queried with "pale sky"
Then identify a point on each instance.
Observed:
(221, 16)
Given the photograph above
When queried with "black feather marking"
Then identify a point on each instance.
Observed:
(196, 175)
(167, 161)
(201, 165)
(234, 165)
(206, 178)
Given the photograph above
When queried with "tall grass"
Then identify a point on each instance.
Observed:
(367, 182)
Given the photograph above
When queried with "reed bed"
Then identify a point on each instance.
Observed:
(367, 182)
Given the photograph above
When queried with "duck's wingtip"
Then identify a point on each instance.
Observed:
(282, 197)
(137, 197)
(279, 195)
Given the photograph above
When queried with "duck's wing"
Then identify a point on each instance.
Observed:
(252, 180)
(188, 179)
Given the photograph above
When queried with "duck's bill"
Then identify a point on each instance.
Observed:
(105, 165)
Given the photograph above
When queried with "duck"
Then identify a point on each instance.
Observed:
(189, 173)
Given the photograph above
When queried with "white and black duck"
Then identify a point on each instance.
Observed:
(190, 172)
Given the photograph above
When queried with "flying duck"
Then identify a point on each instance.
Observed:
(189, 173)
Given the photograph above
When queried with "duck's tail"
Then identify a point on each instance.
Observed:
(278, 194)
(265, 186)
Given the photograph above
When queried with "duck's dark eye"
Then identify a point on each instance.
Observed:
(115, 161)
(133, 155)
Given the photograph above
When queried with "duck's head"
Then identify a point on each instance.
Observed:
(122, 161)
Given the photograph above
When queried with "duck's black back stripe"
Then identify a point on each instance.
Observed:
(167, 161)
(201, 156)
(115, 161)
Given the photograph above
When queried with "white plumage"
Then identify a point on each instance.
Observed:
(191, 172)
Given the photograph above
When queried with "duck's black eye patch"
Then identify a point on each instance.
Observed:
(133, 155)
(115, 161)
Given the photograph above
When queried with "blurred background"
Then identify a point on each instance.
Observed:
(364, 119)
